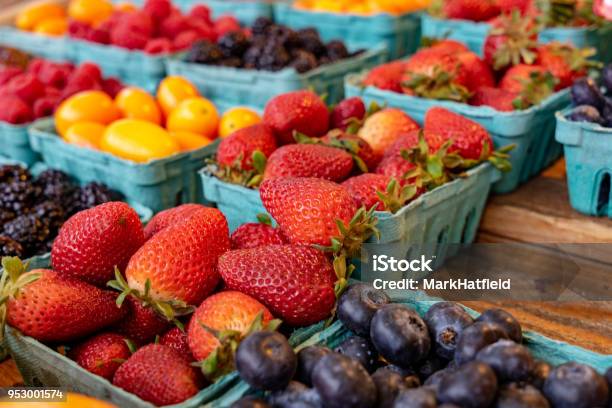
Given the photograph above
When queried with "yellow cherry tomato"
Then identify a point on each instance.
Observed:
(172, 91)
(190, 141)
(91, 106)
(90, 11)
(33, 15)
(73, 400)
(237, 118)
(138, 140)
(135, 103)
(197, 115)
(85, 134)
(53, 26)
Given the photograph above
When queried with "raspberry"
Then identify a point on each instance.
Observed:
(14, 110)
(55, 75)
(137, 22)
(79, 84)
(201, 12)
(36, 65)
(226, 24)
(112, 86)
(172, 26)
(98, 35)
(78, 29)
(51, 91)
(87, 69)
(123, 36)
(158, 46)
(158, 9)
(27, 87)
(45, 106)
(8, 73)
(185, 39)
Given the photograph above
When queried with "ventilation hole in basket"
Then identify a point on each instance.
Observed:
(443, 236)
(603, 198)
(468, 227)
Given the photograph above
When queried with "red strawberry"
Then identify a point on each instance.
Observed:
(179, 261)
(355, 145)
(478, 72)
(141, 323)
(256, 234)
(511, 41)
(379, 190)
(507, 6)
(102, 354)
(159, 375)
(474, 10)
(14, 110)
(469, 137)
(27, 87)
(347, 110)
(176, 339)
(395, 166)
(448, 47)
(386, 76)
(57, 309)
(309, 160)
(8, 73)
(497, 98)
(170, 217)
(158, 46)
(533, 83)
(296, 282)
(565, 62)
(382, 129)
(240, 146)
(301, 111)
(93, 242)
(229, 310)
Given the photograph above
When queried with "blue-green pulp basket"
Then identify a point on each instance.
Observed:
(552, 351)
(159, 184)
(532, 131)
(473, 34)
(246, 11)
(228, 87)
(16, 145)
(399, 34)
(54, 48)
(588, 152)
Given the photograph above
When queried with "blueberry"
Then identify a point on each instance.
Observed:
(308, 357)
(388, 385)
(403, 371)
(343, 383)
(516, 395)
(400, 335)
(250, 402)
(445, 323)
(416, 398)
(539, 373)
(436, 378)
(472, 385)
(361, 350)
(606, 77)
(505, 320)
(586, 92)
(510, 361)
(266, 361)
(357, 306)
(432, 364)
(476, 337)
(296, 395)
(585, 113)
(574, 385)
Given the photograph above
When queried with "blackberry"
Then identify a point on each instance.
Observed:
(274, 57)
(18, 196)
(311, 42)
(6, 216)
(233, 44)
(303, 61)
(10, 247)
(51, 213)
(10, 173)
(55, 185)
(204, 52)
(29, 231)
(285, 36)
(261, 25)
(94, 194)
(233, 62)
(336, 50)
(252, 55)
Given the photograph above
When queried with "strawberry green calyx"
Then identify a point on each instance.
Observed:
(168, 310)
(430, 169)
(14, 278)
(519, 41)
(235, 174)
(395, 196)
(221, 360)
(538, 87)
(439, 85)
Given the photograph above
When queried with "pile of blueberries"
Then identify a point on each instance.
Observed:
(593, 99)
(396, 359)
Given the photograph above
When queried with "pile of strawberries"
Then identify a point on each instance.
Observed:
(35, 92)
(516, 72)
(158, 28)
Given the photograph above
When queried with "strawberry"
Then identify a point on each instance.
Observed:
(158, 374)
(14, 110)
(176, 339)
(378, 190)
(309, 160)
(296, 282)
(238, 148)
(507, 6)
(565, 62)
(93, 242)
(532, 82)
(27, 87)
(229, 310)
(447, 46)
(168, 217)
(474, 10)
(346, 111)
(497, 98)
(256, 234)
(102, 354)
(395, 166)
(386, 76)
(176, 267)
(363, 155)
(141, 323)
(477, 71)
(382, 128)
(51, 308)
(511, 41)
(301, 111)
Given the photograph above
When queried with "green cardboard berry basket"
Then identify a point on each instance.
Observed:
(400, 34)
(16, 145)
(473, 34)
(532, 130)
(54, 48)
(158, 184)
(552, 351)
(588, 148)
(228, 87)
